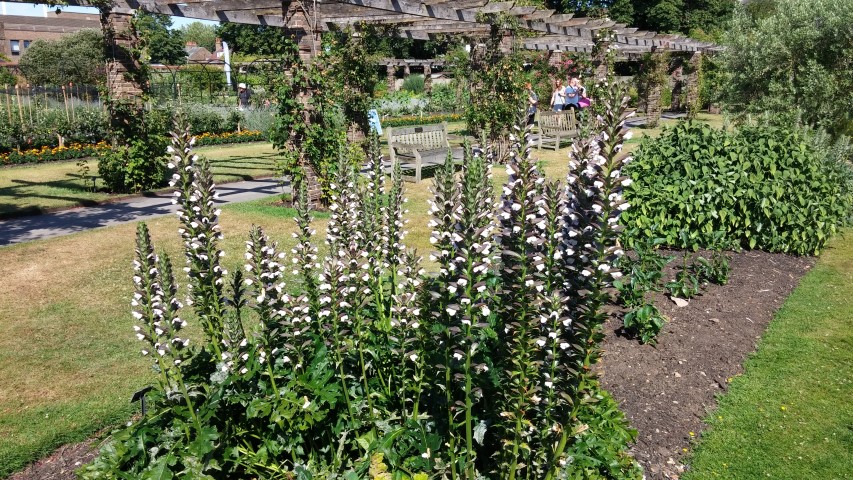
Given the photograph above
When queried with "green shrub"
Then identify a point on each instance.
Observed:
(135, 167)
(414, 84)
(763, 187)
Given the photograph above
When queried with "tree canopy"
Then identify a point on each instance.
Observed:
(77, 58)
(202, 34)
(793, 61)
(162, 44)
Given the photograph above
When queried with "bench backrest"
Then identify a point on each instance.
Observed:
(564, 120)
(430, 136)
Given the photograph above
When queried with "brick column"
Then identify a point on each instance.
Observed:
(428, 79)
(125, 76)
(599, 58)
(555, 58)
(297, 16)
(391, 72)
(507, 42)
(653, 106)
(677, 79)
(694, 68)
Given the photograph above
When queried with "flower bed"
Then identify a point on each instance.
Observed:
(80, 150)
(48, 154)
(421, 120)
(206, 139)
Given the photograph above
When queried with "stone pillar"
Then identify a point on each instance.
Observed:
(125, 77)
(599, 56)
(507, 42)
(297, 15)
(391, 72)
(407, 70)
(694, 69)
(653, 104)
(677, 81)
(555, 58)
(428, 79)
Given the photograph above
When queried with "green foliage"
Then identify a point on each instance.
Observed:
(76, 58)
(161, 44)
(260, 40)
(136, 167)
(643, 275)
(317, 104)
(497, 91)
(137, 160)
(685, 16)
(203, 35)
(645, 321)
(420, 120)
(375, 368)
(686, 283)
(792, 63)
(763, 187)
(414, 84)
(716, 270)
(7, 77)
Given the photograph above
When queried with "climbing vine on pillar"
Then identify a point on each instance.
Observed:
(650, 81)
(497, 84)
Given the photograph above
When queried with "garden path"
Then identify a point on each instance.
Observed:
(66, 222)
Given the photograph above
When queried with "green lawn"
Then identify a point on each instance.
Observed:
(790, 415)
(29, 189)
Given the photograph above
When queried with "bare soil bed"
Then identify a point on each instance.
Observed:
(667, 389)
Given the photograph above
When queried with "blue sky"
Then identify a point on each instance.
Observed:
(38, 10)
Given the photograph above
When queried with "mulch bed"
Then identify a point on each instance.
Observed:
(667, 389)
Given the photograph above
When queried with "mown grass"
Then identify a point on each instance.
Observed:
(790, 415)
(32, 189)
(69, 361)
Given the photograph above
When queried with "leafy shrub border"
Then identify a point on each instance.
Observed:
(78, 150)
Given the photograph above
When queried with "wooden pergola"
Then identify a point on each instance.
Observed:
(420, 20)
(306, 20)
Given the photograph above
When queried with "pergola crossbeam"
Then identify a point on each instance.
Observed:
(419, 19)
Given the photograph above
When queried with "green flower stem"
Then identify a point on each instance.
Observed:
(449, 398)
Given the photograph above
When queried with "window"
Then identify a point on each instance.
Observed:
(26, 44)
(16, 46)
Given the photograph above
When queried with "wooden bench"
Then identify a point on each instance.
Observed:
(418, 148)
(554, 127)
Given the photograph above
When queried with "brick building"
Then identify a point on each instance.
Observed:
(18, 32)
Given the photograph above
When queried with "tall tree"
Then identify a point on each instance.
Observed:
(77, 58)
(202, 34)
(793, 64)
(163, 45)
(253, 40)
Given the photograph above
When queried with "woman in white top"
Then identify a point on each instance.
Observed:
(558, 98)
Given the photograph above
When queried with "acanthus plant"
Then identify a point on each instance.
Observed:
(481, 369)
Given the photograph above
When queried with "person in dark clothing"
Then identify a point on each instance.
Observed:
(243, 96)
(532, 103)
